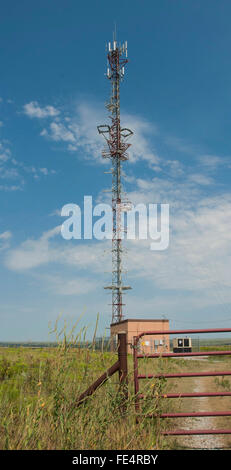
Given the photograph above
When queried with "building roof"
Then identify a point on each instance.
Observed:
(140, 320)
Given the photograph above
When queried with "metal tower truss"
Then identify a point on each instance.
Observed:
(116, 150)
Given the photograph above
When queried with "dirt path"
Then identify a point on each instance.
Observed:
(201, 385)
(201, 441)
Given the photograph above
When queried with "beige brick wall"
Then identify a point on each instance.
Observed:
(149, 343)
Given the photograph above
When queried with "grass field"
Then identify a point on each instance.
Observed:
(38, 392)
(39, 388)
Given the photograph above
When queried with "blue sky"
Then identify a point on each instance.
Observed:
(176, 98)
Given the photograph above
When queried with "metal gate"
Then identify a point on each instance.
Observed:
(137, 377)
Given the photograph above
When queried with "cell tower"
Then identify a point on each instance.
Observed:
(116, 150)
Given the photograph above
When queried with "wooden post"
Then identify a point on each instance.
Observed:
(123, 368)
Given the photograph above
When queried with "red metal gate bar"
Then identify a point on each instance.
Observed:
(191, 432)
(137, 356)
(191, 395)
(192, 414)
(209, 353)
(190, 374)
(182, 332)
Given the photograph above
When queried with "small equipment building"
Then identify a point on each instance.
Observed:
(148, 344)
(182, 345)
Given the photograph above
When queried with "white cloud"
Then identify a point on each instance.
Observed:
(5, 153)
(175, 168)
(69, 286)
(11, 187)
(200, 179)
(36, 172)
(4, 240)
(32, 253)
(179, 194)
(194, 269)
(12, 170)
(56, 212)
(59, 132)
(5, 235)
(211, 162)
(198, 259)
(33, 110)
(79, 132)
(8, 173)
(199, 255)
(181, 146)
(3, 157)
(142, 147)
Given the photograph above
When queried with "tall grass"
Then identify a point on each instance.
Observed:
(38, 393)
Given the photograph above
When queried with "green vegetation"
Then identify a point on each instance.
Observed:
(38, 392)
(216, 348)
(39, 389)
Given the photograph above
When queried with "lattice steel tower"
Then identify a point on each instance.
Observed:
(116, 150)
